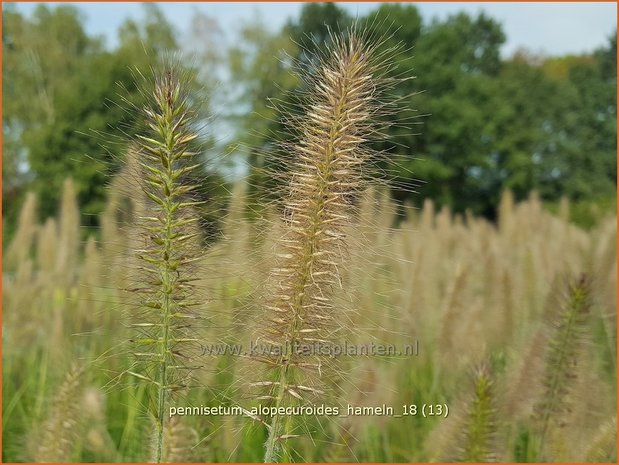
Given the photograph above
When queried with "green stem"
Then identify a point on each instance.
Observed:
(167, 287)
(272, 452)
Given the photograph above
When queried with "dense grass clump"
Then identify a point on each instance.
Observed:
(514, 312)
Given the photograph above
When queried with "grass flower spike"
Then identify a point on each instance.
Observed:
(565, 347)
(325, 177)
(165, 335)
(480, 426)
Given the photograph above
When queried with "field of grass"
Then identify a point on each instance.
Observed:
(151, 339)
(514, 321)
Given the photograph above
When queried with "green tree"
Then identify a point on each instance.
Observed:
(592, 170)
(316, 22)
(476, 123)
(454, 63)
(62, 112)
(39, 55)
(260, 68)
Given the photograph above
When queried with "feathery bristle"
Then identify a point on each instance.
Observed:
(165, 334)
(604, 445)
(179, 442)
(325, 177)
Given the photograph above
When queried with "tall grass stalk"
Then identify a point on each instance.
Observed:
(19, 249)
(570, 326)
(325, 176)
(55, 440)
(165, 338)
(480, 426)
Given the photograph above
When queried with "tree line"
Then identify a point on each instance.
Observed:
(480, 122)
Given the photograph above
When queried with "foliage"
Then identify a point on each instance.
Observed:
(478, 123)
(64, 112)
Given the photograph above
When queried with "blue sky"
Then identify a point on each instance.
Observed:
(549, 28)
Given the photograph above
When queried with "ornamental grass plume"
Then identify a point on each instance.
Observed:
(569, 328)
(326, 176)
(165, 327)
(20, 247)
(480, 425)
(55, 440)
(68, 247)
(46, 241)
(179, 440)
(603, 448)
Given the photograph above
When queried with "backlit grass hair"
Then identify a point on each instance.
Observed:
(603, 448)
(326, 174)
